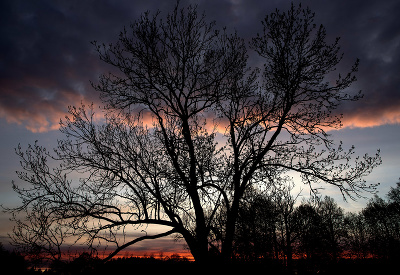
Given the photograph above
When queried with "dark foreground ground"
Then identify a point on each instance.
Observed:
(12, 263)
(152, 266)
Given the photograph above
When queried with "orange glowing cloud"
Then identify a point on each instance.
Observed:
(37, 117)
(45, 116)
(37, 103)
(36, 123)
(372, 118)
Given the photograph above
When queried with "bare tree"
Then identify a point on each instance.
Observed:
(287, 222)
(383, 228)
(332, 218)
(309, 227)
(255, 233)
(41, 232)
(356, 235)
(394, 197)
(193, 83)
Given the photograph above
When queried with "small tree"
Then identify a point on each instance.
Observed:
(356, 235)
(332, 218)
(287, 222)
(394, 198)
(383, 227)
(255, 236)
(311, 242)
(176, 84)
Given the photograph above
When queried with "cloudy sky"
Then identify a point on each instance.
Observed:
(47, 61)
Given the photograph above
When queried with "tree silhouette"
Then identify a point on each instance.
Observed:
(332, 218)
(179, 86)
(356, 236)
(394, 198)
(383, 227)
(311, 238)
(287, 222)
(12, 261)
(256, 229)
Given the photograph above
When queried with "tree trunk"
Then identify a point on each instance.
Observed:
(289, 252)
(227, 245)
(198, 247)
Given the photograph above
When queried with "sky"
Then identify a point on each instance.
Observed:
(47, 63)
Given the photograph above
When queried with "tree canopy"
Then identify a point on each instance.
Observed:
(190, 128)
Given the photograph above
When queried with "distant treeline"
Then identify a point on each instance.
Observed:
(273, 227)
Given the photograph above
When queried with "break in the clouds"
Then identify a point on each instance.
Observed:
(47, 61)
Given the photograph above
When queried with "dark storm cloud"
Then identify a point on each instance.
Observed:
(370, 31)
(46, 59)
